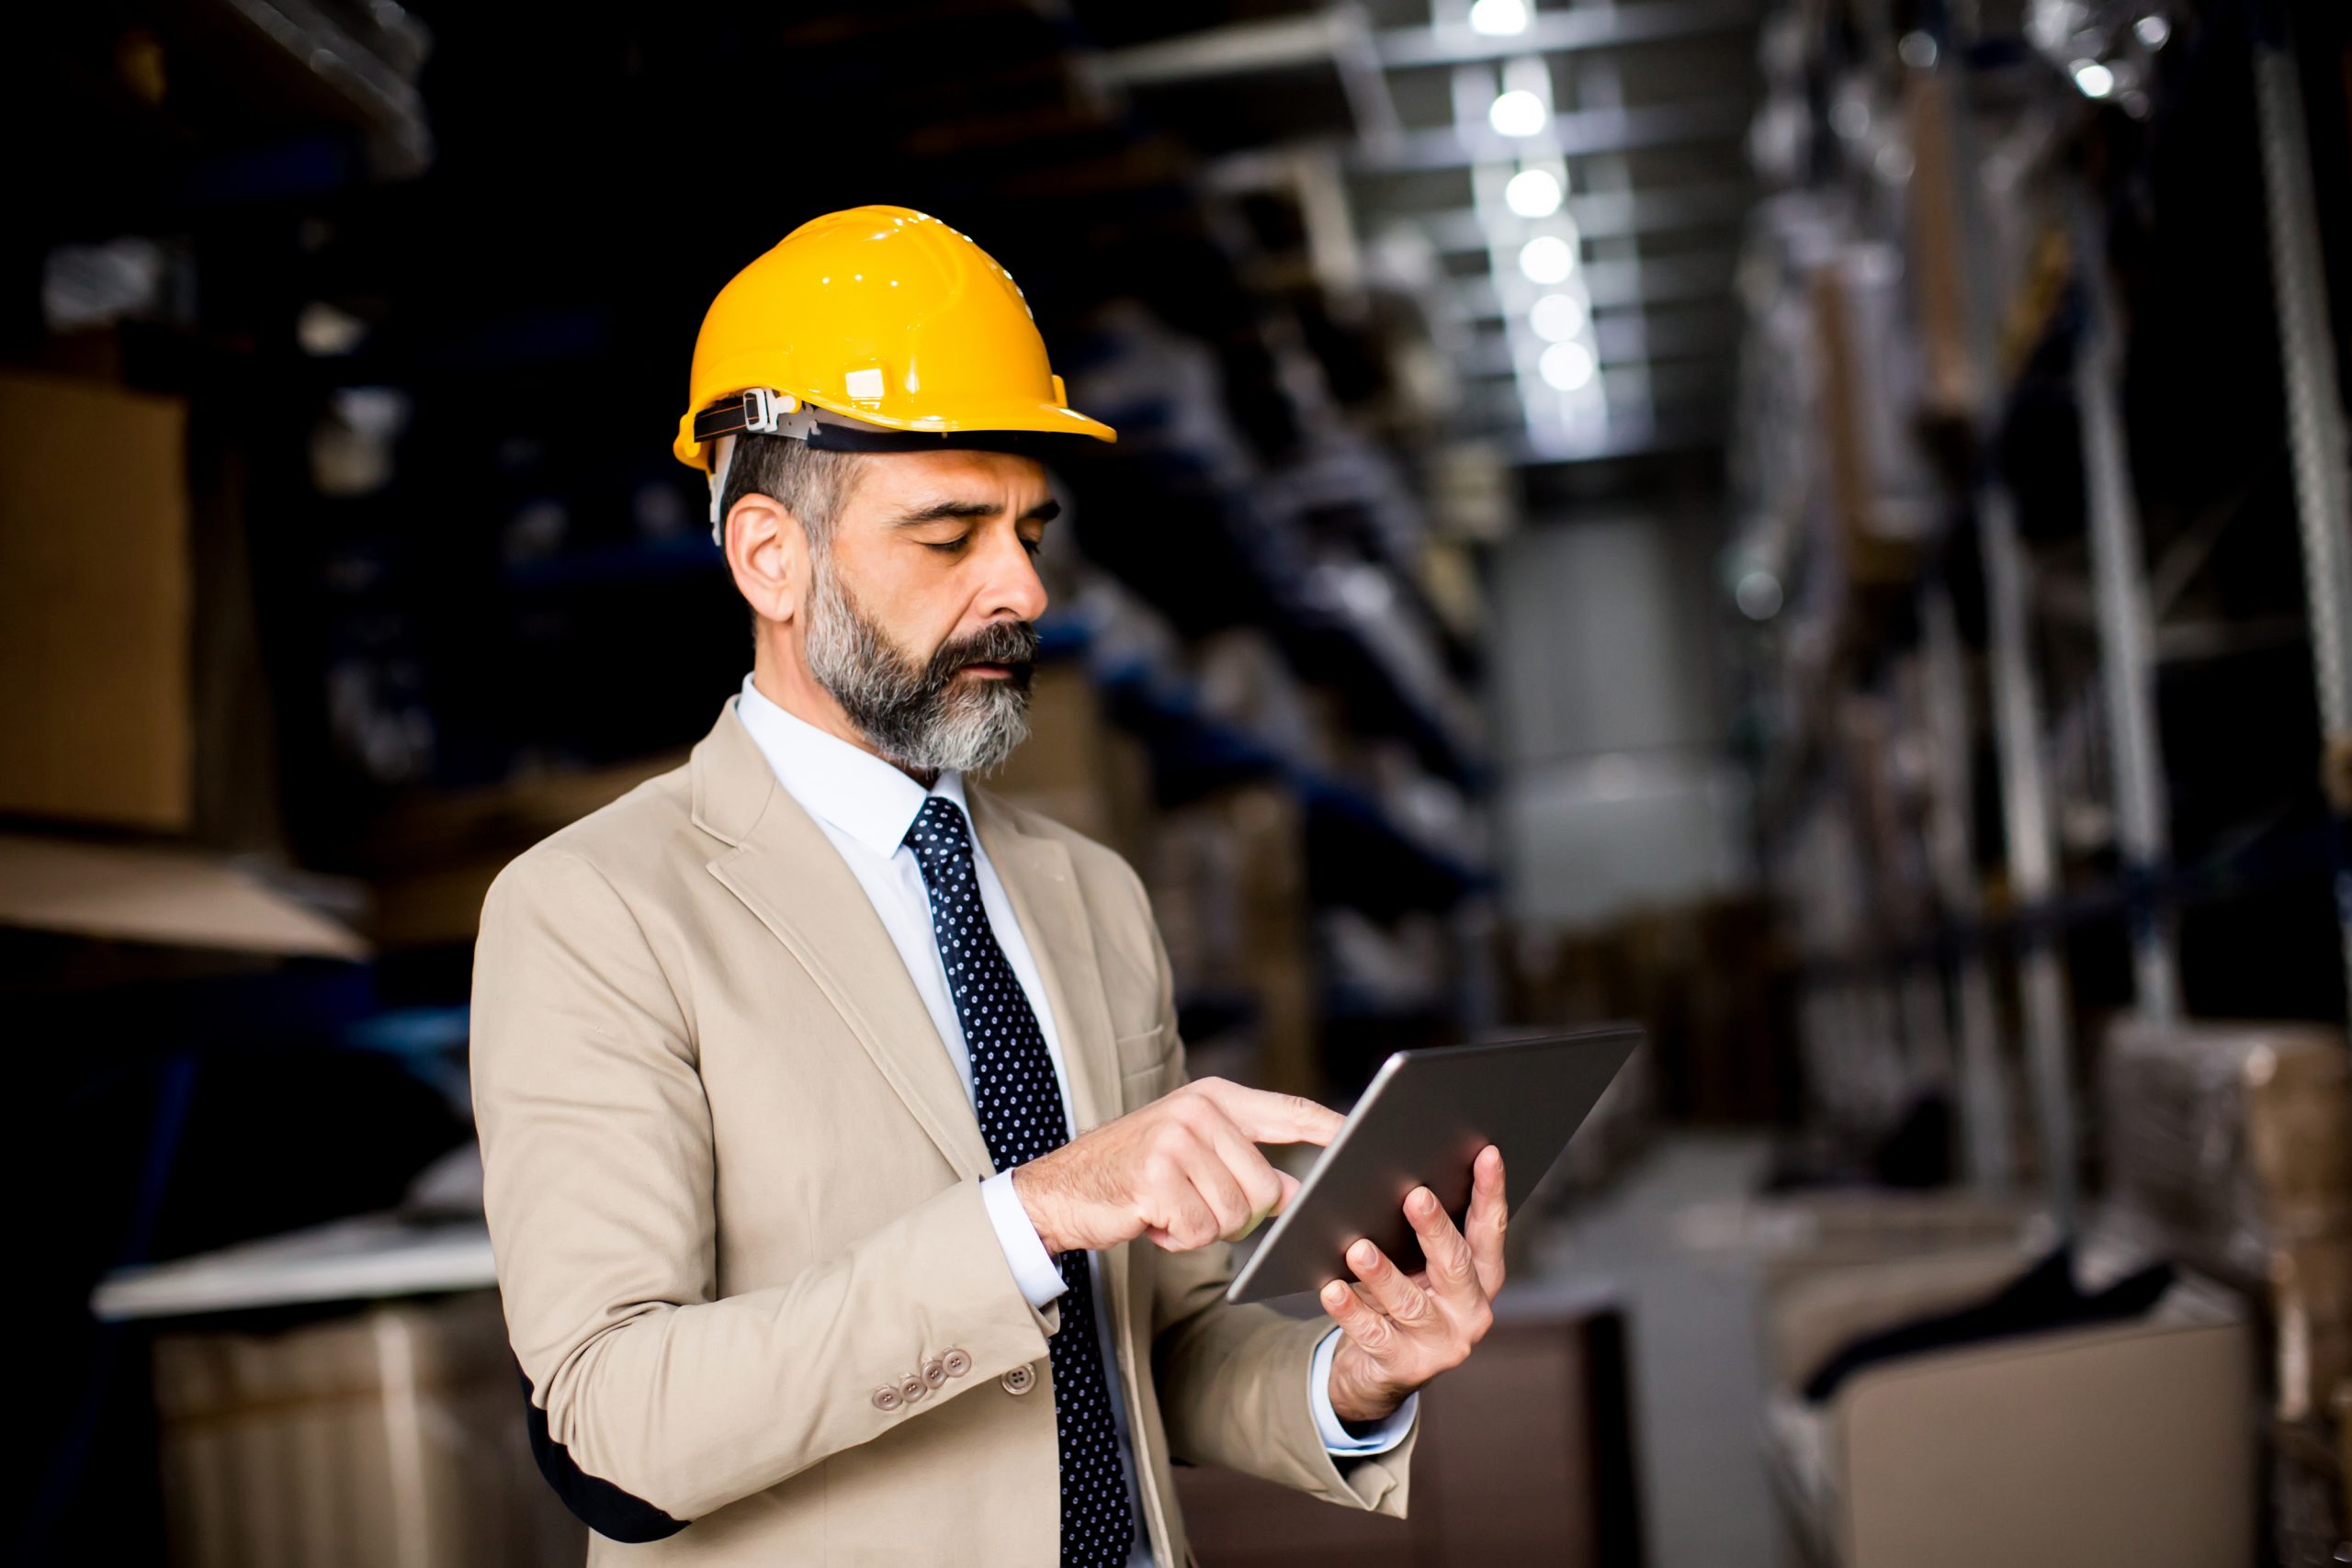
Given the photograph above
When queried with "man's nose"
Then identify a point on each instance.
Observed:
(1013, 586)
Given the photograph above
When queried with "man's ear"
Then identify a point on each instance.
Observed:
(767, 552)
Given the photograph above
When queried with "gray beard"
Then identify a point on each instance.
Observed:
(912, 711)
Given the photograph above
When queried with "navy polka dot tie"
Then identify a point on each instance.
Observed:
(1020, 1108)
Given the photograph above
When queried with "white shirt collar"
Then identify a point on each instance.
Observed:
(857, 791)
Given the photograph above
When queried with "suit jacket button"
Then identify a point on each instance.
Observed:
(934, 1371)
(1019, 1380)
(957, 1362)
(912, 1388)
(888, 1399)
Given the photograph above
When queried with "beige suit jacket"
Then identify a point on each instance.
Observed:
(733, 1187)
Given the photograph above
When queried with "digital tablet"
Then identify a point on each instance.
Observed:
(1421, 1122)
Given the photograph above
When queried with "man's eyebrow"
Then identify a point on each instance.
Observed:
(1045, 511)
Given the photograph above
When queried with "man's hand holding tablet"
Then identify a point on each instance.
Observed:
(1402, 1330)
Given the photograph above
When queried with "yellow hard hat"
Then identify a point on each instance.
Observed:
(885, 316)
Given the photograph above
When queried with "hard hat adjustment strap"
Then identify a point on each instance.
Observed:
(759, 410)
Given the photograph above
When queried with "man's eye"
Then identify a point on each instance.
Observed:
(945, 547)
(1033, 546)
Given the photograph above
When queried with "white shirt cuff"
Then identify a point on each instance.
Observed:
(1336, 1437)
(1032, 1266)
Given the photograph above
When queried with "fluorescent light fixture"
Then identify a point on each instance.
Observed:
(1568, 366)
(1518, 113)
(1558, 316)
(2095, 80)
(1532, 193)
(1499, 19)
(1547, 258)
(2153, 32)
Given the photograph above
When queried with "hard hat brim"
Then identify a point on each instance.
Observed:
(1013, 419)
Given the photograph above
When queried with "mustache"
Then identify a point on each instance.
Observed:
(1012, 644)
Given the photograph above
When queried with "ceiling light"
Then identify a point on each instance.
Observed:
(1558, 316)
(1758, 595)
(1547, 258)
(2153, 32)
(1518, 113)
(1918, 50)
(1499, 19)
(2095, 80)
(1532, 193)
(1568, 366)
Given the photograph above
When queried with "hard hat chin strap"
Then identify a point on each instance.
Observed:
(722, 458)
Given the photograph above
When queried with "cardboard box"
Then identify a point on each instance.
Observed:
(2124, 1443)
(431, 860)
(1937, 251)
(2310, 1296)
(392, 1437)
(166, 897)
(1228, 879)
(95, 605)
(2232, 1140)
(1525, 1457)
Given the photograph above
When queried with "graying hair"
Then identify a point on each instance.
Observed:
(809, 483)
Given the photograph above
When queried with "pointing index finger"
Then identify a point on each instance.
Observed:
(1265, 1117)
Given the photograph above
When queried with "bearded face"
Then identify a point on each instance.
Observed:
(925, 715)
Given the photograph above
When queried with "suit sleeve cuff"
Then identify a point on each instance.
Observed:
(1032, 1266)
(1337, 1438)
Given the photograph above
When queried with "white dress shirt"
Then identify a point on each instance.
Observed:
(866, 806)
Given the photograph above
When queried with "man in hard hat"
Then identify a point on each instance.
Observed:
(824, 1099)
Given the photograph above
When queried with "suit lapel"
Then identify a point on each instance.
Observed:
(1038, 878)
(1043, 890)
(789, 874)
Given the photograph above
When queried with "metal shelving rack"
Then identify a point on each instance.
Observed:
(2315, 423)
(1995, 962)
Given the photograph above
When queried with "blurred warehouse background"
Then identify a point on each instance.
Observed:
(1822, 526)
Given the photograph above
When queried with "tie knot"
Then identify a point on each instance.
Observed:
(939, 833)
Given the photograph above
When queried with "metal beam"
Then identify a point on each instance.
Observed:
(1630, 384)
(2126, 630)
(1629, 433)
(1705, 274)
(2315, 423)
(1289, 43)
(1279, 43)
(1576, 133)
(1570, 30)
(2025, 814)
(1627, 336)
(1581, 133)
(1604, 215)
